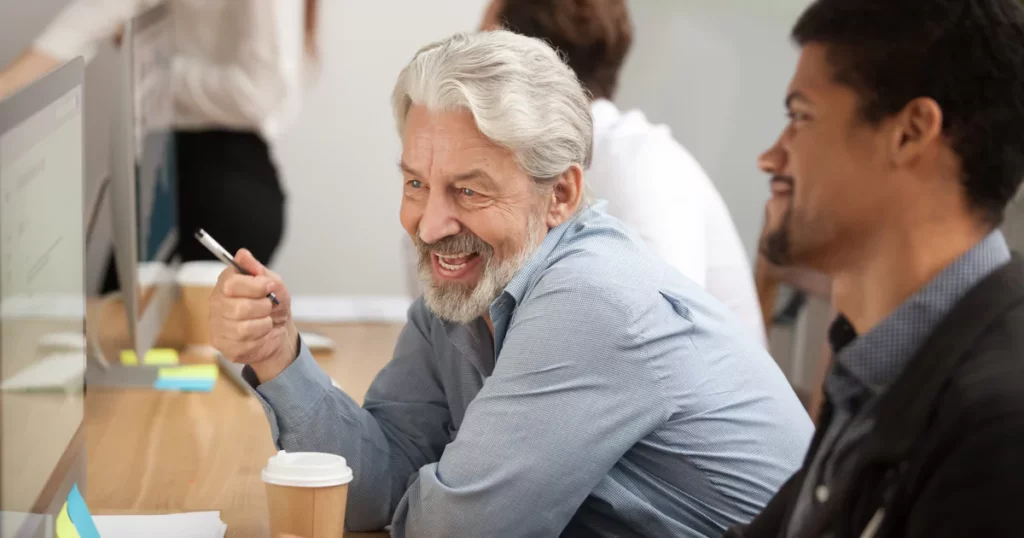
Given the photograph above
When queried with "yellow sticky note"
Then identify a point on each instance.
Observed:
(191, 371)
(153, 357)
(65, 528)
(161, 357)
(129, 358)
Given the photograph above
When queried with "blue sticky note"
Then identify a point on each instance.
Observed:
(80, 515)
(184, 384)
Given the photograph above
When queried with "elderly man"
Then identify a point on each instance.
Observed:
(556, 377)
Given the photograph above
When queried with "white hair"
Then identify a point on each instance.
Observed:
(521, 94)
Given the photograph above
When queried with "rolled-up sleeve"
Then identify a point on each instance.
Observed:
(568, 397)
(83, 24)
(401, 428)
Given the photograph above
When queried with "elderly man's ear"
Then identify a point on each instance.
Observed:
(566, 196)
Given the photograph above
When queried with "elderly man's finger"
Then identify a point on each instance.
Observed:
(251, 287)
(243, 309)
(226, 273)
(253, 329)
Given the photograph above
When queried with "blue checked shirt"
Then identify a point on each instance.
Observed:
(865, 366)
(616, 398)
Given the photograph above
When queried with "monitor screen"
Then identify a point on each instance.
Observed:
(42, 285)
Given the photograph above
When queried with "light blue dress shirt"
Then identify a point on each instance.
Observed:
(624, 401)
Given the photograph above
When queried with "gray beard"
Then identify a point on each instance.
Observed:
(461, 304)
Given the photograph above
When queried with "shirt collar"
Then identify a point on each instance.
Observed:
(504, 306)
(874, 360)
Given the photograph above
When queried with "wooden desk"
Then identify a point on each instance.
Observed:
(159, 452)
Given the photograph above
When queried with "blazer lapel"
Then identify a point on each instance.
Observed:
(904, 409)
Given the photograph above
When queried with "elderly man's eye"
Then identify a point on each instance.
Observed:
(467, 192)
(416, 184)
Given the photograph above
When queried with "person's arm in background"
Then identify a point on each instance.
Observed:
(76, 31)
(240, 94)
(768, 278)
(402, 426)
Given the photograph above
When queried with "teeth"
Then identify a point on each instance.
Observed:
(448, 266)
(452, 256)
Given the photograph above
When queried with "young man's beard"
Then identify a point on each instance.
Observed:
(457, 302)
(775, 245)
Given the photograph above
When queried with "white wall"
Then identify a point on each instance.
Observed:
(340, 159)
(716, 72)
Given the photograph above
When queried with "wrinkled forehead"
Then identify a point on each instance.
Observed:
(441, 143)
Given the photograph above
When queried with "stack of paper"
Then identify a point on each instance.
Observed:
(317, 341)
(57, 371)
(185, 525)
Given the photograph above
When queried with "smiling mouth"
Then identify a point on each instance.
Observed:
(455, 265)
(781, 186)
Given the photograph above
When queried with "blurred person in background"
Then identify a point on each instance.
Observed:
(686, 222)
(237, 80)
(904, 146)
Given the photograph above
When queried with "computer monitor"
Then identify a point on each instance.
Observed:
(42, 301)
(144, 180)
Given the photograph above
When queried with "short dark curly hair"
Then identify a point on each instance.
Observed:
(594, 36)
(967, 55)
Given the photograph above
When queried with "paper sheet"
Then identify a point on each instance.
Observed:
(57, 371)
(186, 525)
(316, 341)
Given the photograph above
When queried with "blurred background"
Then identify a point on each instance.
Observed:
(715, 71)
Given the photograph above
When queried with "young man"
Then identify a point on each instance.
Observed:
(688, 223)
(905, 144)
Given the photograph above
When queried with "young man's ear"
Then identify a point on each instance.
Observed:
(916, 127)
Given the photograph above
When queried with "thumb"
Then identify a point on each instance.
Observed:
(249, 262)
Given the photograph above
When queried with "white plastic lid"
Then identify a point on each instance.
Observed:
(200, 273)
(306, 470)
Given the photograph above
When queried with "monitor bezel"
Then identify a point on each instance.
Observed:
(14, 110)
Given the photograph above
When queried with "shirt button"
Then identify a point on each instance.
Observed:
(821, 493)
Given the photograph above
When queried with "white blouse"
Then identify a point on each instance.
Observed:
(239, 64)
(660, 191)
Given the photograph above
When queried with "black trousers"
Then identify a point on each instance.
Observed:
(227, 185)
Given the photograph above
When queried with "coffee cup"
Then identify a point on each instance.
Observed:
(307, 493)
(196, 281)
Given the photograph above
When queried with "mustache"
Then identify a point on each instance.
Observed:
(788, 180)
(453, 244)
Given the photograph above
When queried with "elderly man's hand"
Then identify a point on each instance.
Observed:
(246, 326)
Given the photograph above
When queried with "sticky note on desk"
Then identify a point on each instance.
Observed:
(190, 378)
(185, 385)
(189, 371)
(65, 529)
(153, 357)
(80, 516)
